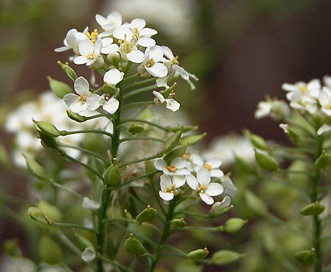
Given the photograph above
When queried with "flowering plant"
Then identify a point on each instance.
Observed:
(125, 177)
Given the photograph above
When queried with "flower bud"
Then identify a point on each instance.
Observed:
(192, 139)
(112, 176)
(133, 246)
(135, 129)
(76, 117)
(114, 58)
(220, 208)
(37, 214)
(265, 161)
(323, 161)
(255, 204)
(50, 211)
(256, 140)
(234, 224)
(126, 214)
(172, 142)
(312, 209)
(176, 152)
(60, 89)
(223, 257)
(109, 89)
(47, 128)
(35, 168)
(198, 254)
(48, 141)
(49, 251)
(305, 256)
(178, 223)
(148, 214)
(68, 70)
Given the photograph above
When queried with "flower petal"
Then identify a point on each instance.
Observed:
(214, 189)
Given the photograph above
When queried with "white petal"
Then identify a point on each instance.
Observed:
(147, 32)
(215, 162)
(93, 102)
(89, 254)
(323, 129)
(172, 104)
(160, 164)
(203, 176)
(192, 182)
(166, 196)
(111, 105)
(217, 173)
(81, 86)
(135, 56)
(138, 23)
(85, 47)
(146, 42)
(113, 76)
(157, 70)
(159, 96)
(90, 204)
(165, 182)
(207, 199)
(80, 60)
(214, 189)
(70, 98)
(78, 106)
(178, 180)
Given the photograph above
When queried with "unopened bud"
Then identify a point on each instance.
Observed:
(35, 168)
(192, 139)
(47, 128)
(198, 254)
(234, 224)
(133, 246)
(305, 256)
(265, 161)
(312, 209)
(148, 214)
(38, 215)
(178, 223)
(135, 129)
(112, 176)
(126, 214)
(76, 117)
(49, 251)
(256, 140)
(220, 208)
(176, 152)
(172, 142)
(60, 89)
(223, 257)
(68, 70)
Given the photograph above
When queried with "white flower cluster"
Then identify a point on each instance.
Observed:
(112, 50)
(203, 177)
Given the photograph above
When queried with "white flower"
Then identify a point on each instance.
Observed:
(110, 23)
(71, 41)
(212, 165)
(274, 108)
(85, 100)
(109, 104)
(169, 186)
(228, 186)
(152, 62)
(219, 206)
(325, 100)
(89, 254)
(176, 167)
(113, 76)
(17, 264)
(108, 47)
(171, 103)
(202, 185)
(90, 204)
(324, 128)
(89, 52)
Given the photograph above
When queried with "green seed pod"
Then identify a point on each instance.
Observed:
(68, 70)
(135, 129)
(198, 254)
(35, 168)
(133, 246)
(256, 140)
(76, 117)
(47, 128)
(60, 89)
(192, 139)
(177, 152)
(172, 142)
(49, 251)
(312, 209)
(126, 214)
(223, 257)
(255, 203)
(48, 141)
(266, 162)
(323, 161)
(50, 210)
(112, 176)
(305, 256)
(38, 215)
(234, 224)
(178, 223)
(148, 214)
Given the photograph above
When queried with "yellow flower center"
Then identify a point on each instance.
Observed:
(171, 168)
(82, 99)
(207, 166)
(150, 63)
(171, 189)
(93, 36)
(90, 56)
(202, 188)
(187, 156)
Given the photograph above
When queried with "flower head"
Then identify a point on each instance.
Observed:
(169, 186)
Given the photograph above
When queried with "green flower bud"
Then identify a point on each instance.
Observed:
(256, 140)
(323, 161)
(220, 208)
(76, 117)
(35, 168)
(255, 204)
(266, 162)
(133, 246)
(112, 176)
(178, 223)
(234, 224)
(312, 209)
(38, 215)
(198, 254)
(305, 256)
(126, 214)
(172, 142)
(223, 257)
(176, 152)
(192, 139)
(135, 129)
(49, 251)
(48, 141)
(60, 89)
(148, 214)
(68, 70)
(245, 165)
(47, 128)
(50, 211)
(114, 58)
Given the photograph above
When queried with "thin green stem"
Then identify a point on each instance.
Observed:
(65, 132)
(140, 160)
(142, 138)
(139, 91)
(71, 226)
(132, 120)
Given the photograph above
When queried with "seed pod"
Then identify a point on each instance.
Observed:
(135, 129)
(198, 254)
(47, 128)
(178, 223)
(234, 224)
(323, 161)
(255, 203)
(60, 89)
(35, 168)
(76, 117)
(126, 214)
(312, 209)
(256, 140)
(192, 139)
(265, 161)
(112, 176)
(148, 214)
(37, 214)
(172, 142)
(305, 256)
(49, 251)
(68, 70)
(50, 211)
(223, 257)
(133, 246)
(48, 141)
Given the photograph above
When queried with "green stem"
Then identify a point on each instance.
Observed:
(164, 236)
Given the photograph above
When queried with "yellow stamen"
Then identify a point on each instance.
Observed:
(208, 166)
(171, 168)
